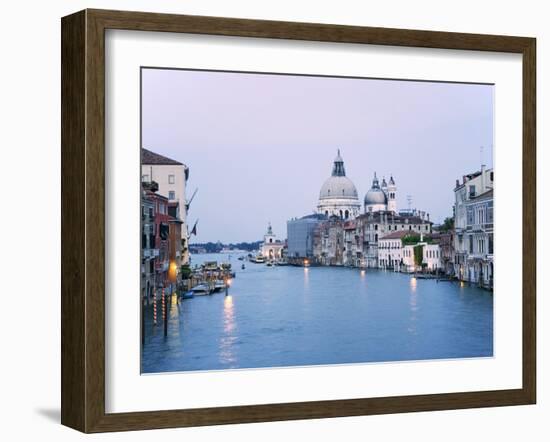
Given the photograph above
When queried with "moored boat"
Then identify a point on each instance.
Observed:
(201, 289)
(188, 295)
(219, 285)
(282, 262)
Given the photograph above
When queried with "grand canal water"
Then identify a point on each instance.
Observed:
(292, 316)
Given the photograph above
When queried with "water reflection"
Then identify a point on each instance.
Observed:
(413, 307)
(413, 283)
(289, 316)
(227, 355)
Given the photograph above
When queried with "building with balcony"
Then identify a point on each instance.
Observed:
(478, 237)
(373, 226)
(473, 228)
(171, 177)
(148, 250)
(159, 240)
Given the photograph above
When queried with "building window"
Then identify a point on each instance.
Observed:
(171, 195)
(145, 178)
(471, 244)
(472, 191)
(171, 179)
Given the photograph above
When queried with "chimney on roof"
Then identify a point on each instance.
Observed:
(428, 216)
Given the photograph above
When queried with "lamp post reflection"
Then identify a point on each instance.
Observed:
(229, 338)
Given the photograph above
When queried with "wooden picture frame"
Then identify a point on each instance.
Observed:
(83, 220)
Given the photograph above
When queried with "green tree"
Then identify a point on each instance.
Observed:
(418, 255)
(185, 271)
(448, 225)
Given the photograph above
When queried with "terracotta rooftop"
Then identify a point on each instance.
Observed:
(149, 157)
(377, 217)
(397, 235)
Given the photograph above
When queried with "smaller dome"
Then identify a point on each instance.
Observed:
(375, 196)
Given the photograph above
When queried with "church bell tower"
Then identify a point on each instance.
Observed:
(392, 195)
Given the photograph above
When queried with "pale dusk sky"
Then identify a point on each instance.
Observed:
(259, 146)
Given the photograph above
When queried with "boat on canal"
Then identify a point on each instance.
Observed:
(219, 285)
(424, 276)
(201, 289)
(259, 259)
(282, 263)
(188, 295)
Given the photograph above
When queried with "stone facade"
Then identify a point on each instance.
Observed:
(473, 228)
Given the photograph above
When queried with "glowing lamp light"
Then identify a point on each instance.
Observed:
(172, 271)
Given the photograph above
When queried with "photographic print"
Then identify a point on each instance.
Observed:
(300, 220)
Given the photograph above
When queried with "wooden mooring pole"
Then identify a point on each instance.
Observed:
(143, 303)
(155, 306)
(165, 312)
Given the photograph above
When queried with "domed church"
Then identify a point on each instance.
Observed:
(338, 195)
(381, 198)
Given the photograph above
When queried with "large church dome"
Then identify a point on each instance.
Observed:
(338, 195)
(338, 187)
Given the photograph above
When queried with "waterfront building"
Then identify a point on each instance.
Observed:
(271, 248)
(328, 242)
(478, 237)
(340, 235)
(473, 225)
(300, 233)
(431, 256)
(430, 259)
(338, 195)
(446, 245)
(390, 250)
(375, 225)
(356, 242)
(174, 243)
(148, 250)
(396, 251)
(161, 231)
(352, 252)
(171, 177)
